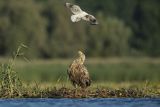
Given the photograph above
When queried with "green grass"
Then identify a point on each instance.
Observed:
(113, 70)
(111, 77)
(10, 84)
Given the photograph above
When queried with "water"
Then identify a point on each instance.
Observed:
(108, 102)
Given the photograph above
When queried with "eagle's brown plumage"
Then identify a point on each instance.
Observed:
(78, 73)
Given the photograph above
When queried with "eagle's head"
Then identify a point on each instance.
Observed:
(81, 57)
(80, 53)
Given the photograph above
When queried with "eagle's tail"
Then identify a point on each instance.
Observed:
(88, 82)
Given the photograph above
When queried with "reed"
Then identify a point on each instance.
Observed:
(11, 85)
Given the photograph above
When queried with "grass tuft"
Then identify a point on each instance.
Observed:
(11, 85)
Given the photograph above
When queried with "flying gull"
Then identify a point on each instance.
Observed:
(79, 14)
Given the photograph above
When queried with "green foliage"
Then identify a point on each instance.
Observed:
(110, 38)
(10, 84)
(142, 16)
(22, 23)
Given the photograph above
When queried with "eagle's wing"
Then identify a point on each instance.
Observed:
(84, 77)
(75, 9)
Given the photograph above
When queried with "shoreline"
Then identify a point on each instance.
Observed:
(64, 92)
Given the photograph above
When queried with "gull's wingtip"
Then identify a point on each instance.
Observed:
(67, 4)
(96, 23)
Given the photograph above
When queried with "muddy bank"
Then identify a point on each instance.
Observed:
(81, 93)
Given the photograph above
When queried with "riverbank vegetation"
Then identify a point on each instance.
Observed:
(97, 90)
(111, 77)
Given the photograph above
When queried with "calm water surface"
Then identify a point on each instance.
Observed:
(100, 102)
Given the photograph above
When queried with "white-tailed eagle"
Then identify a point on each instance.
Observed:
(78, 73)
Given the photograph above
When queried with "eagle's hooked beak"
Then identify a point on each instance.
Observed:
(80, 53)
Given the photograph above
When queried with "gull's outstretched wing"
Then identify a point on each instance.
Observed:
(75, 9)
(78, 17)
(75, 18)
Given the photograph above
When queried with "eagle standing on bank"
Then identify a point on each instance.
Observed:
(79, 14)
(78, 73)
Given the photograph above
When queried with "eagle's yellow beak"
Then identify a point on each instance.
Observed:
(80, 53)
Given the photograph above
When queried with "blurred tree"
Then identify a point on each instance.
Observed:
(141, 15)
(64, 37)
(110, 38)
(22, 24)
(45, 27)
(147, 18)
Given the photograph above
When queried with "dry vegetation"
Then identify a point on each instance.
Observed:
(63, 91)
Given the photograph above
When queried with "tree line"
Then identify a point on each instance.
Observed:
(127, 28)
